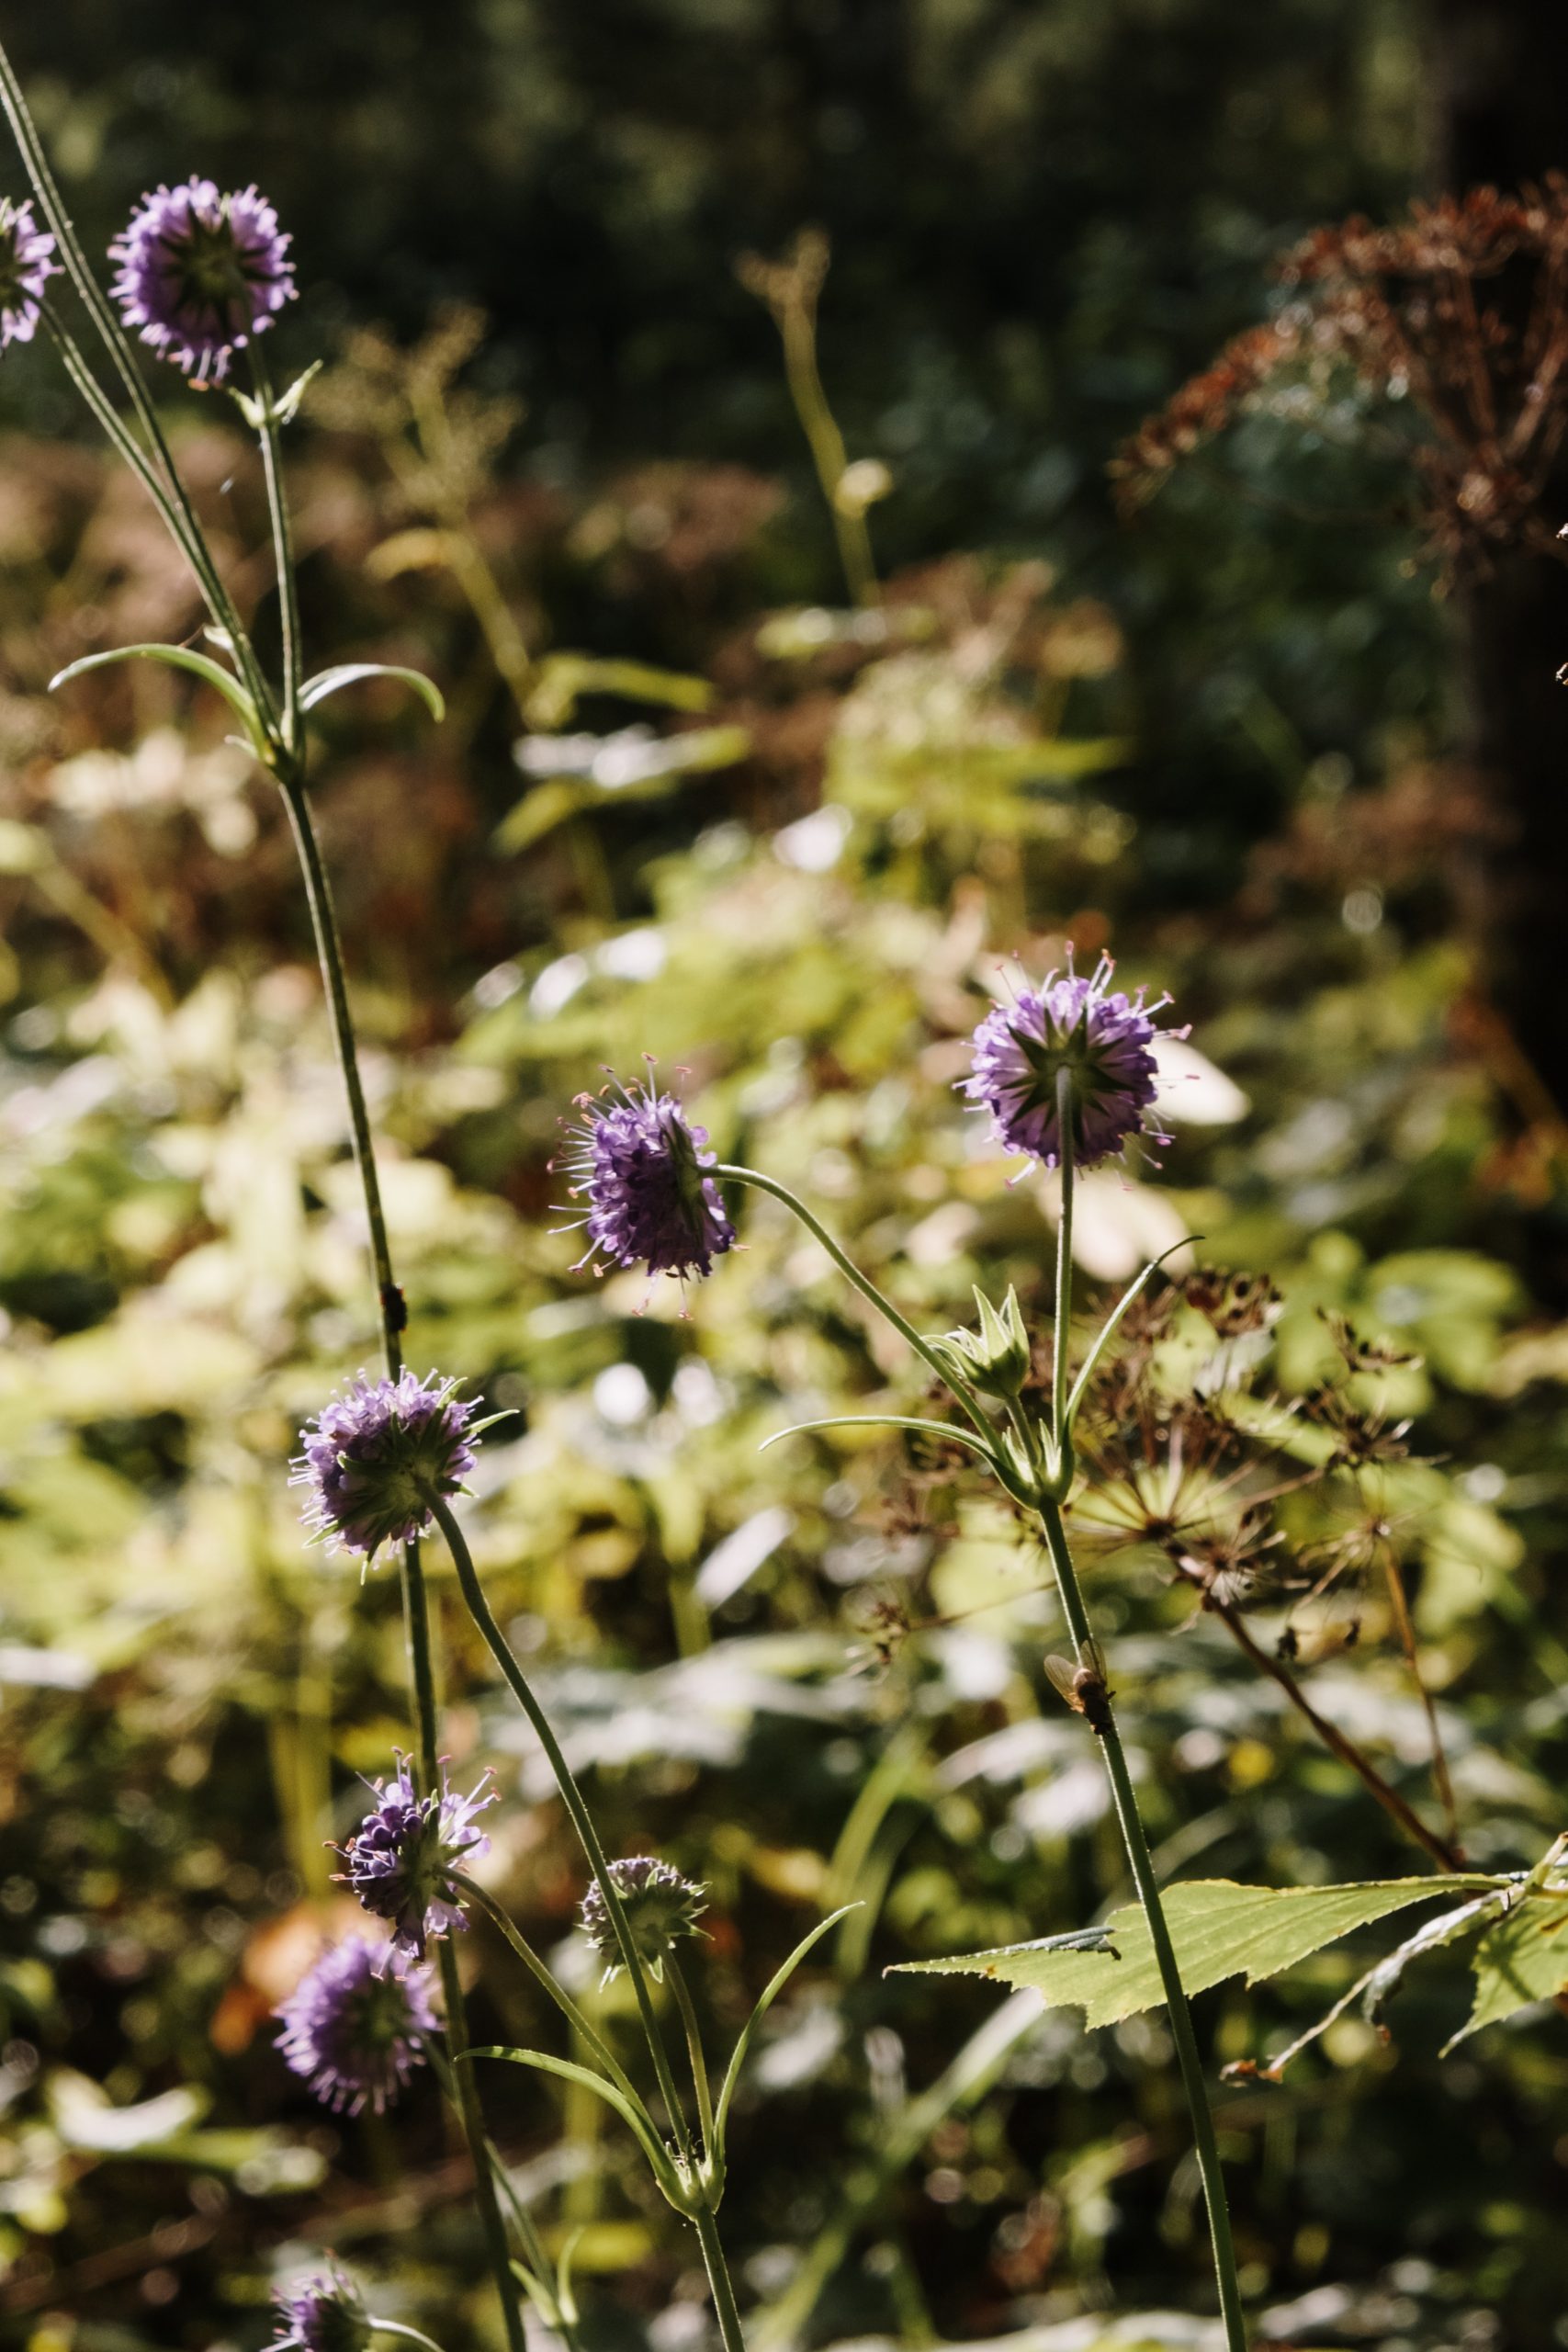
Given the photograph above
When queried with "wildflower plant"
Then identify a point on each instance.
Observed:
(1068, 1075)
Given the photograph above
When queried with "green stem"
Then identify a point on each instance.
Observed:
(1135, 1840)
(725, 2306)
(500, 1917)
(283, 546)
(1064, 1266)
(117, 344)
(950, 1379)
(396, 2327)
(682, 1993)
(571, 1796)
(1102, 1721)
(173, 510)
(416, 1607)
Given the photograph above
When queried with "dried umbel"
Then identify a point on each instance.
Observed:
(373, 1458)
(660, 1905)
(638, 1165)
(1458, 314)
(1103, 1039)
(324, 2313)
(401, 1859)
(200, 273)
(26, 268)
(354, 2027)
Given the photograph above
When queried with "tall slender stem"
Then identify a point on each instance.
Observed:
(571, 1796)
(682, 1993)
(416, 1607)
(1064, 1264)
(1101, 1716)
(945, 1372)
(283, 544)
(1136, 1839)
(725, 2309)
(500, 1917)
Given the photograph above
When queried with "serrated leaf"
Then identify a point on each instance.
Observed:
(177, 657)
(1219, 1930)
(1521, 1960)
(349, 673)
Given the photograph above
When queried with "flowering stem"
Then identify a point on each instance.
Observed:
(949, 1378)
(1064, 1265)
(595, 2042)
(571, 1796)
(725, 2309)
(682, 1991)
(283, 544)
(416, 1608)
(396, 2327)
(1136, 1839)
(1099, 1713)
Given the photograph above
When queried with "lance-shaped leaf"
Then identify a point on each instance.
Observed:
(1219, 1930)
(349, 673)
(1522, 1958)
(570, 2072)
(179, 657)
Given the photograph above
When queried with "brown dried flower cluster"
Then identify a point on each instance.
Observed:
(1461, 311)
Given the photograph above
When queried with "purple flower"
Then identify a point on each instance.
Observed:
(24, 270)
(374, 1454)
(1103, 1039)
(638, 1164)
(325, 2314)
(660, 1905)
(200, 273)
(401, 1857)
(353, 2026)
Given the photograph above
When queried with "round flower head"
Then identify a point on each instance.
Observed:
(660, 1905)
(24, 270)
(353, 2027)
(325, 2314)
(200, 273)
(401, 1857)
(639, 1164)
(372, 1456)
(1105, 1042)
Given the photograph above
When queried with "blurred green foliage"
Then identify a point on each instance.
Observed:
(785, 848)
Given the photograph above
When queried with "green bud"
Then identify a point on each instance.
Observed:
(996, 1358)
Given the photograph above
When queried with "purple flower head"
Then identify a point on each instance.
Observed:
(325, 2314)
(1105, 1042)
(639, 1164)
(200, 273)
(374, 1454)
(353, 2026)
(401, 1857)
(660, 1905)
(24, 270)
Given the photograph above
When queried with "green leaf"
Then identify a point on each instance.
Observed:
(1219, 1930)
(544, 2064)
(946, 1430)
(349, 673)
(771, 1992)
(178, 657)
(1522, 1958)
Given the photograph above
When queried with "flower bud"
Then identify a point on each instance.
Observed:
(996, 1358)
(660, 1905)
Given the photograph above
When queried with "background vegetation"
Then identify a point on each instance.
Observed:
(1235, 740)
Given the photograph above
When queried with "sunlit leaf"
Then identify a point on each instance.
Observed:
(177, 657)
(1521, 1960)
(1219, 1930)
(349, 673)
